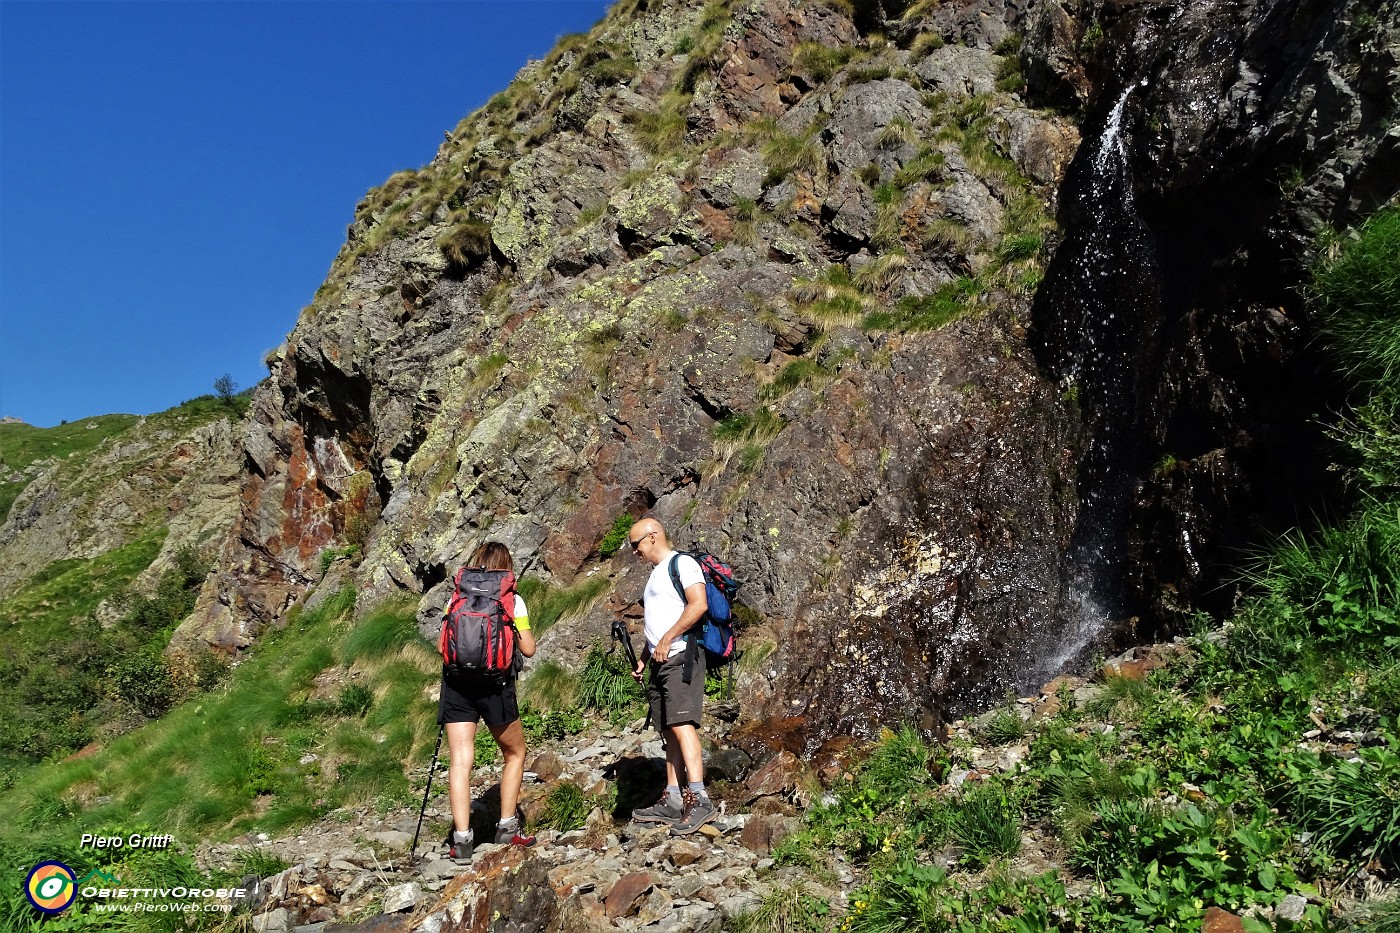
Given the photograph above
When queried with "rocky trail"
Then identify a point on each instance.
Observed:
(352, 871)
(352, 868)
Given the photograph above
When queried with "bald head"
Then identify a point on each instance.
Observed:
(648, 540)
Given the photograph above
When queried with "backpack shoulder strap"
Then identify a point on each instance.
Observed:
(674, 566)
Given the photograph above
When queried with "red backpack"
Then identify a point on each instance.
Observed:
(478, 626)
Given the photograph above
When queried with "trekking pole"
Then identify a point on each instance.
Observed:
(423, 809)
(619, 633)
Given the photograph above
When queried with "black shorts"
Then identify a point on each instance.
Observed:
(672, 700)
(474, 698)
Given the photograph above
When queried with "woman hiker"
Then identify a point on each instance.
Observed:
(469, 699)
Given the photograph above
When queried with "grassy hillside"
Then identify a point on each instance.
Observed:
(22, 445)
(63, 678)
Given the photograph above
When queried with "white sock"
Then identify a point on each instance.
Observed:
(459, 835)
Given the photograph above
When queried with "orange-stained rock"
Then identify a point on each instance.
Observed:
(627, 894)
(1221, 921)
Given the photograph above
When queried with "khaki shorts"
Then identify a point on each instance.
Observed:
(672, 700)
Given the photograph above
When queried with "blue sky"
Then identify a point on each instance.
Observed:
(175, 177)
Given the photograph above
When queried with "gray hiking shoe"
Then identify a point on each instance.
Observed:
(459, 851)
(696, 813)
(663, 811)
(511, 834)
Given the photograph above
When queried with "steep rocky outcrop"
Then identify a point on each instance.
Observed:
(770, 271)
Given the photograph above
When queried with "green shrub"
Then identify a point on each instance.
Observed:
(551, 724)
(143, 681)
(617, 535)
(566, 807)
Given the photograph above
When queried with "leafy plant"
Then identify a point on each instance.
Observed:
(987, 826)
(617, 535)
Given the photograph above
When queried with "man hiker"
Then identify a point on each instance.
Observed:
(677, 687)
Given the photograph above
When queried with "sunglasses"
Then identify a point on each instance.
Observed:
(637, 544)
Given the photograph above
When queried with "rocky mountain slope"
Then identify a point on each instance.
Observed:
(113, 478)
(816, 284)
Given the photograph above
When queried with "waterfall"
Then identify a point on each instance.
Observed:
(1095, 315)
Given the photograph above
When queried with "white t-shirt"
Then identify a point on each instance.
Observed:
(520, 613)
(662, 605)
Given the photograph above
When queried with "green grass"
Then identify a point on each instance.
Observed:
(1357, 287)
(789, 909)
(566, 807)
(548, 604)
(926, 312)
(22, 444)
(820, 61)
(170, 773)
(381, 632)
(550, 686)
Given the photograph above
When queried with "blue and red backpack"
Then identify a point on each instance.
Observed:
(716, 630)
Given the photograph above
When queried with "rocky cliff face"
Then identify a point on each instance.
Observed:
(771, 271)
(1246, 131)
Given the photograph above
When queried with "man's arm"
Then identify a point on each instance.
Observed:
(695, 607)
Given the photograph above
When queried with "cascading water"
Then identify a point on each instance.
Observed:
(1094, 316)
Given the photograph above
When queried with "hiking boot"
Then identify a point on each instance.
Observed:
(459, 851)
(696, 813)
(663, 811)
(511, 835)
